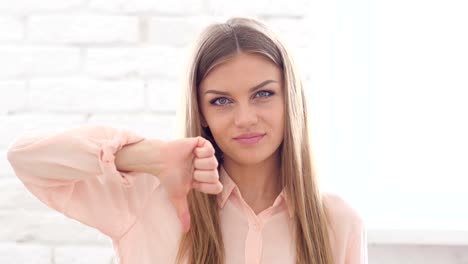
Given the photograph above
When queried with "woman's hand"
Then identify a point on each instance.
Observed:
(185, 164)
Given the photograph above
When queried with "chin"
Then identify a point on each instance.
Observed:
(248, 162)
(250, 157)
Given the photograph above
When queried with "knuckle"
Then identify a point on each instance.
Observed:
(213, 177)
(211, 150)
(196, 174)
(206, 153)
(198, 152)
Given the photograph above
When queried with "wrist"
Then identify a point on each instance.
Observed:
(143, 156)
(154, 162)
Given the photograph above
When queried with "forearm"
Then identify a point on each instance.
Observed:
(144, 156)
(62, 157)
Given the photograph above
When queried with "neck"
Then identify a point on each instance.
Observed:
(259, 184)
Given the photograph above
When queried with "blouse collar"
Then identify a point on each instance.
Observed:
(230, 187)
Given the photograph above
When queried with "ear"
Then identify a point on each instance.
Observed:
(203, 122)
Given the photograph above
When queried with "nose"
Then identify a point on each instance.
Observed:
(245, 116)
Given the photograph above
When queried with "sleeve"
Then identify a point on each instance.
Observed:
(356, 252)
(74, 173)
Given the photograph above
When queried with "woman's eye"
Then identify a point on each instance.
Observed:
(220, 101)
(264, 94)
(225, 101)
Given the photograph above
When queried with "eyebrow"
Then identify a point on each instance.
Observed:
(251, 90)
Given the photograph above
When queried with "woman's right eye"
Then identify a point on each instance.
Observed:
(219, 101)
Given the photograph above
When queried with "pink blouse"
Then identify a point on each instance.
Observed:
(73, 172)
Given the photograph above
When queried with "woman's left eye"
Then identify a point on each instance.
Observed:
(264, 94)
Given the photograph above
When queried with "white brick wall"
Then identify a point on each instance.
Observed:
(115, 62)
(11, 28)
(83, 29)
(143, 61)
(22, 60)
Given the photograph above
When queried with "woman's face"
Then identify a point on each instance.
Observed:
(241, 101)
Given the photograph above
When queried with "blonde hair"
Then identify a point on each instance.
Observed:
(217, 43)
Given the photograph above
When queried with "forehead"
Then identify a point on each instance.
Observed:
(241, 72)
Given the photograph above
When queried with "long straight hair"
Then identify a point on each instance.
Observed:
(203, 244)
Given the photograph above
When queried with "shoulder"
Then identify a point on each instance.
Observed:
(337, 206)
(343, 217)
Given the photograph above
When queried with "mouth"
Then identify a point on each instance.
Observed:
(249, 139)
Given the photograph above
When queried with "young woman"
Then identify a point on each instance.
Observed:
(240, 187)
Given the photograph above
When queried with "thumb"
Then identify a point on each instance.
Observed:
(183, 213)
(200, 141)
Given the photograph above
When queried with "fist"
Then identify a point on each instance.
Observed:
(188, 163)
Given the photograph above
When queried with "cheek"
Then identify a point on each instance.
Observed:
(277, 120)
(273, 113)
(277, 123)
(219, 124)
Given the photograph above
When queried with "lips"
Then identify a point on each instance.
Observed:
(249, 138)
(249, 135)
